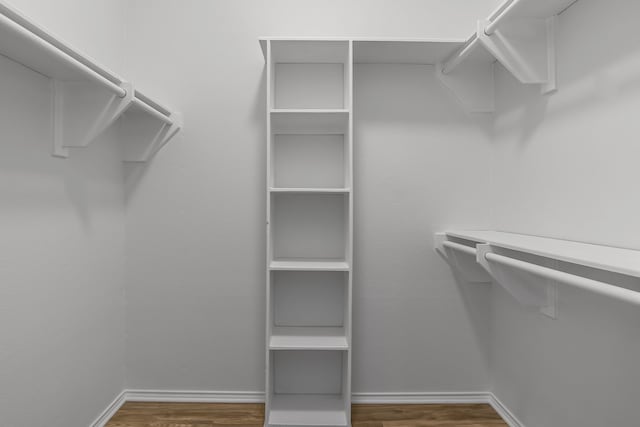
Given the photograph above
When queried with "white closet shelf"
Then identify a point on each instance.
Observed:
(535, 284)
(308, 338)
(310, 190)
(308, 410)
(88, 98)
(607, 258)
(309, 265)
(387, 50)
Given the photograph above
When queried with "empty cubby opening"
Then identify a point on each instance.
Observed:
(311, 75)
(309, 161)
(312, 299)
(310, 372)
(309, 226)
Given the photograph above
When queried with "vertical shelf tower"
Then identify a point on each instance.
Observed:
(309, 232)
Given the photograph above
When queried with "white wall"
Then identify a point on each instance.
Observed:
(416, 162)
(62, 250)
(569, 169)
(96, 28)
(195, 216)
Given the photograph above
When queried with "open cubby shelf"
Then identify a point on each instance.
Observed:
(309, 225)
(314, 161)
(305, 409)
(308, 388)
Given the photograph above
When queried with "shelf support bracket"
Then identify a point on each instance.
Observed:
(471, 84)
(144, 136)
(526, 48)
(463, 263)
(82, 111)
(523, 287)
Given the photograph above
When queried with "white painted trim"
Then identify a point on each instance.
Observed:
(258, 397)
(106, 415)
(422, 397)
(504, 412)
(194, 396)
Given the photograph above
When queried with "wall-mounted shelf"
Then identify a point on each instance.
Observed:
(608, 258)
(534, 282)
(87, 97)
(520, 35)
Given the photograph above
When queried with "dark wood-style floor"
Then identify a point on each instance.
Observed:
(149, 414)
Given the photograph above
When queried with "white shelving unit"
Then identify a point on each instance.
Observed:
(520, 35)
(309, 232)
(87, 97)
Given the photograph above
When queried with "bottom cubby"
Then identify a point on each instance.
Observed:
(307, 387)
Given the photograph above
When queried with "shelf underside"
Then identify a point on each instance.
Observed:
(25, 48)
(536, 9)
(307, 410)
(403, 51)
(302, 121)
(617, 260)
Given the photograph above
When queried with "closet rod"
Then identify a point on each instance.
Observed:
(88, 72)
(155, 113)
(460, 56)
(460, 248)
(595, 286)
(504, 12)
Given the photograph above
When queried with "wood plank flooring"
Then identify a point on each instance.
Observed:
(151, 414)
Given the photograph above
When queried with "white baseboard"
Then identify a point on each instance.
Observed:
(194, 396)
(422, 398)
(504, 412)
(258, 397)
(106, 415)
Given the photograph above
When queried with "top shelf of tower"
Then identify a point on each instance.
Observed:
(365, 50)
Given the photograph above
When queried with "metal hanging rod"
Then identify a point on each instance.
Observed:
(74, 63)
(460, 248)
(456, 59)
(504, 12)
(152, 111)
(460, 55)
(601, 288)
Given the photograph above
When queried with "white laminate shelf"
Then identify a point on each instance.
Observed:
(607, 258)
(307, 410)
(88, 98)
(299, 264)
(308, 338)
(310, 190)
